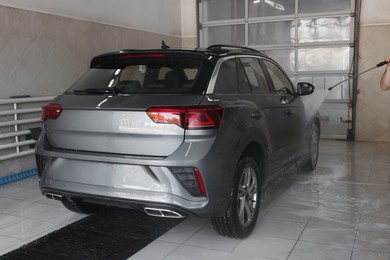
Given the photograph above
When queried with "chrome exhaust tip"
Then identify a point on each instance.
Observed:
(53, 196)
(162, 213)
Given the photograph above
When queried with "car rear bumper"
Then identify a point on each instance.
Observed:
(135, 182)
(121, 181)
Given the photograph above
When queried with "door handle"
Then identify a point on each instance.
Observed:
(288, 112)
(256, 115)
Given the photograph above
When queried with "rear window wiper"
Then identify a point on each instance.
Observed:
(95, 91)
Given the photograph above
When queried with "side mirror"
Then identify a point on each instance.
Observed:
(305, 88)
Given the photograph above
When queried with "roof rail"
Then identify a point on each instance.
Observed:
(221, 46)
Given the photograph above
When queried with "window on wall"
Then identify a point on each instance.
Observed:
(321, 6)
(311, 40)
(226, 34)
(271, 8)
(214, 10)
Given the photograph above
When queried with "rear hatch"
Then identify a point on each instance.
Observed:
(119, 106)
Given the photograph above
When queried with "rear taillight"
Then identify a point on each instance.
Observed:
(191, 179)
(50, 111)
(202, 117)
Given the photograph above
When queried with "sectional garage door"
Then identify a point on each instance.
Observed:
(313, 40)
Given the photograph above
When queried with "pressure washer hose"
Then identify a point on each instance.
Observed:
(380, 64)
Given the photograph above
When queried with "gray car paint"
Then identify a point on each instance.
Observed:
(96, 155)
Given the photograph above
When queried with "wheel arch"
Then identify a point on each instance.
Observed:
(258, 152)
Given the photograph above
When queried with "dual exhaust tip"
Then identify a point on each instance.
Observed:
(155, 212)
(53, 196)
(163, 213)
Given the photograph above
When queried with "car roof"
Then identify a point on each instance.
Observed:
(216, 51)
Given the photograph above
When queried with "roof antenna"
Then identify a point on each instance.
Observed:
(164, 46)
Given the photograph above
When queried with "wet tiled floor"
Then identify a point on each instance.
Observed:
(339, 211)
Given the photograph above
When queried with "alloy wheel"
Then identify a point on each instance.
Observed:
(247, 196)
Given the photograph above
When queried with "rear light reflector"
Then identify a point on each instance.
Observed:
(50, 111)
(199, 178)
(202, 117)
(191, 179)
(41, 163)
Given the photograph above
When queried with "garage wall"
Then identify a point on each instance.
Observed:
(42, 54)
(189, 28)
(156, 16)
(373, 105)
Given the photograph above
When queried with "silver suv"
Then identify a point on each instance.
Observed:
(176, 132)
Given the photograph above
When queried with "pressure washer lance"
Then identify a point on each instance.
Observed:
(354, 76)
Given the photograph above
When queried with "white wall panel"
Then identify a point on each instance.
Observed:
(188, 19)
(162, 17)
(375, 12)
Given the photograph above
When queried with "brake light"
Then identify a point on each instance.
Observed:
(189, 118)
(50, 111)
(146, 55)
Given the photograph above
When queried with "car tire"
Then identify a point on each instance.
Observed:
(310, 161)
(241, 214)
(80, 206)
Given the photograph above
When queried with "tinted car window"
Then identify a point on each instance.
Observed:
(243, 82)
(279, 79)
(255, 74)
(93, 79)
(160, 76)
(227, 77)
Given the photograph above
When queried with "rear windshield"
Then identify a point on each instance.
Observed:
(173, 75)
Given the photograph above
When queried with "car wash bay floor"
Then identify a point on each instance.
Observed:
(339, 211)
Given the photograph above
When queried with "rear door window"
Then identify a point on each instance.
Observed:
(255, 75)
(281, 83)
